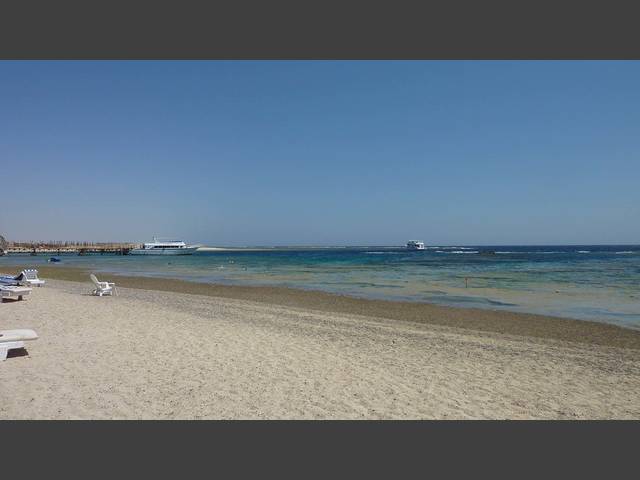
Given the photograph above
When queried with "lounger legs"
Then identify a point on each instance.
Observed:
(111, 291)
(20, 297)
(4, 348)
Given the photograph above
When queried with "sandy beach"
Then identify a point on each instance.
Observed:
(177, 350)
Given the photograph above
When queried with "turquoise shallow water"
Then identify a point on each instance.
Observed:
(599, 283)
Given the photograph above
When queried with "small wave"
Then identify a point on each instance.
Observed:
(384, 253)
(584, 251)
(532, 252)
(463, 251)
(625, 252)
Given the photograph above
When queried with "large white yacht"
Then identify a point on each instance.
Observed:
(164, 248)
(415, 245)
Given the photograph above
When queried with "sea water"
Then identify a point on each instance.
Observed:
(600, 283)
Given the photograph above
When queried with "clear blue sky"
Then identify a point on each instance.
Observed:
(272, 153)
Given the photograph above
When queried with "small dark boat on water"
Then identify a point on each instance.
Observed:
(54, 260)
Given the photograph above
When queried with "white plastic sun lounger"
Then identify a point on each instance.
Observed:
(30, 277)
(102, 288)
(8, 291)
(10, 339)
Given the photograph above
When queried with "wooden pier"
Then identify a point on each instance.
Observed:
(109, 249)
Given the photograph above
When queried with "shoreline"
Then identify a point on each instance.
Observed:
(475, 319)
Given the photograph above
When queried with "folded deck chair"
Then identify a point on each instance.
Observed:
(9, 291)
(102, 288)
(10, 339)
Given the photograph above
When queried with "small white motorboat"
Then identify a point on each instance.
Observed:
(415, 245)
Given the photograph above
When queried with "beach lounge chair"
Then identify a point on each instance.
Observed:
(102, 288)
(30, 277)
(9, 291)
(10, 339)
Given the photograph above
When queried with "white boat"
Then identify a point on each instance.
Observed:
(415, 245)
(164, 248)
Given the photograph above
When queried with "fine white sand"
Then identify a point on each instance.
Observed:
(156, 355)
